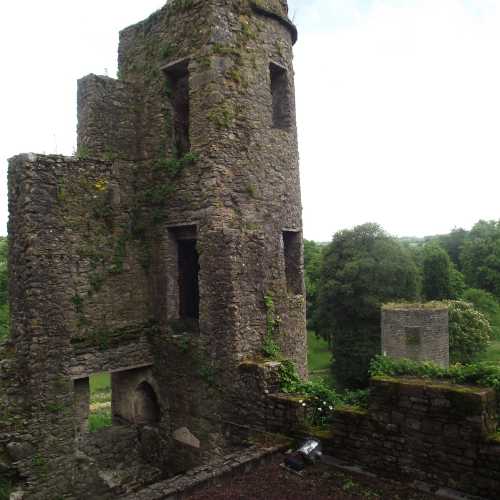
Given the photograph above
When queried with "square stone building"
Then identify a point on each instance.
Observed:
(161, 253)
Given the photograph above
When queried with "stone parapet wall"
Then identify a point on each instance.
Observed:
(420, 430)
(259, 404)
(417, 333)
(108, 118)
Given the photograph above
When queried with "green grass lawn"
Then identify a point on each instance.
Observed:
(100, 382)
(319, 359)
(100, 401)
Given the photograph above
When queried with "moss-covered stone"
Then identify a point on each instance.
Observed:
(352, 410)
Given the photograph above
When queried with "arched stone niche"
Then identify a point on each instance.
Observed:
(145, 404)
(134, 399)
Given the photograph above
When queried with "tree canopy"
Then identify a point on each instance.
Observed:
(361, 269)
(312, 271)
(481, 257)
(3, 270)
(4, 308)
(453, 243)
(440, 279)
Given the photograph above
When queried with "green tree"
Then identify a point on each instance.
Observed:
(361, 269)
(312, 270)
(440, 278)
(3, 270)
(470, 332)
(4, 307)
(453, 244)
(486, 304)
(4, 321)
(481, 257)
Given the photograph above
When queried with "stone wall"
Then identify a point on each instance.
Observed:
(96, 247)
(263, 406)
(108, 118)
(419, 430)
(417, 333)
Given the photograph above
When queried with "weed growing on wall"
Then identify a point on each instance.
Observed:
(319, 399)
(270, 348)
(482, 374)
(83, 152)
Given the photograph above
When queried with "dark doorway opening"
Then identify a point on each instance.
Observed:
(188, 265)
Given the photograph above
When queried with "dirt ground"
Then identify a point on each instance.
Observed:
(318, 482)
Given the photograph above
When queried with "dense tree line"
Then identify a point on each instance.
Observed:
(348, 279)
(4, 308)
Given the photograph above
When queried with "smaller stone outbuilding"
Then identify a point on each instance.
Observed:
(416, 331)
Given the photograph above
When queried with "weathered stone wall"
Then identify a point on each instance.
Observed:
(420, 334)
(80, 305)
(244, 190)
(263, 406)
(95, 246)
(108, 118)
(421, 430)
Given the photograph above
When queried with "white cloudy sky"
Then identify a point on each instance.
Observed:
(398, 102)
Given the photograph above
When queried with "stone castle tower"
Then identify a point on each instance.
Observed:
(167, 252)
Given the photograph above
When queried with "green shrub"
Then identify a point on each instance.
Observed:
(320, 399)
(487, 304)
(481, 374)
(470, 332)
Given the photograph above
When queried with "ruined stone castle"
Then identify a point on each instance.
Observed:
(167, 252)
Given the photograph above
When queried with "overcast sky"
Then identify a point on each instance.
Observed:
(398, 102)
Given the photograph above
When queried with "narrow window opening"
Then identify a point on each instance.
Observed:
(291, 248)
(280, 96)
(100, 402)
(189, 297)
(178, 91)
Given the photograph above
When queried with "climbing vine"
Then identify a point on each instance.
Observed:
(270, 348)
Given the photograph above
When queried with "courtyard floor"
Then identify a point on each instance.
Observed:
(321, 481)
